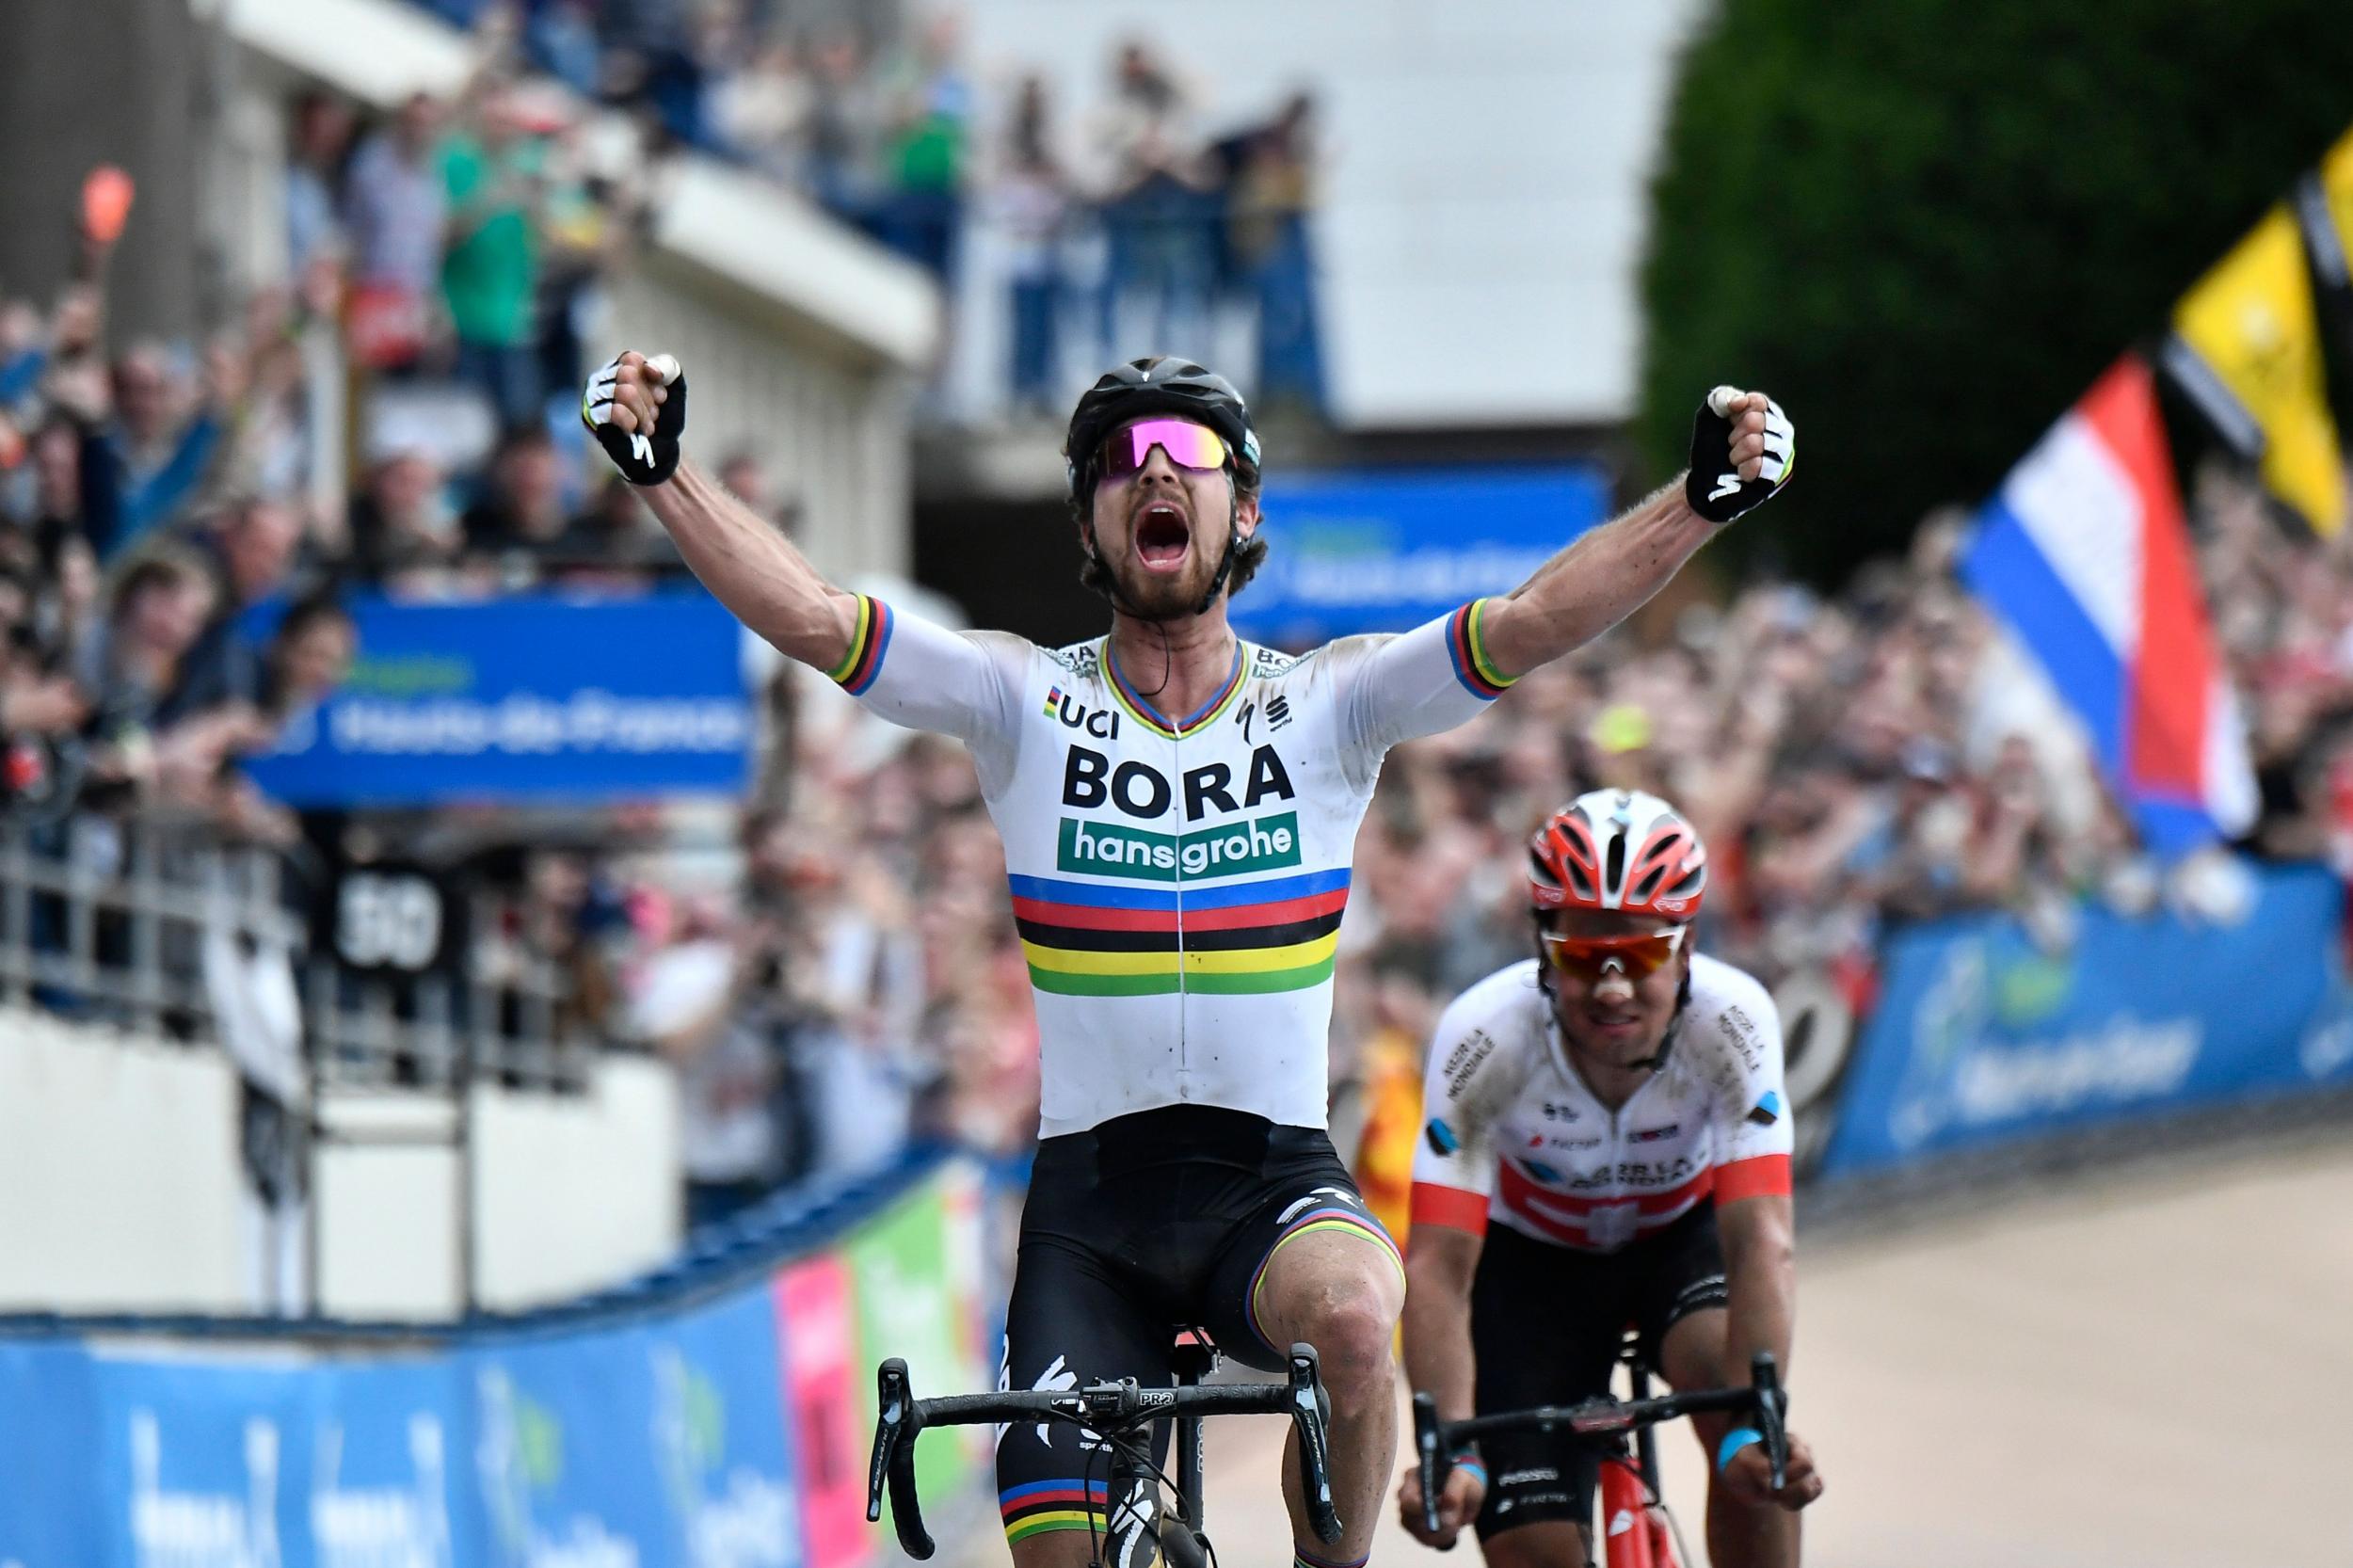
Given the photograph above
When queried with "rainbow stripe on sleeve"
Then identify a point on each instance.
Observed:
(1472, 667)
(870, 640)
(1086, 939)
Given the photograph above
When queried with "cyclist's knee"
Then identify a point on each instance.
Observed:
(1352, 1332)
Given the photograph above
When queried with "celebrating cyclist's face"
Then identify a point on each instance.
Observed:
(1615, 979)
(1165, 506)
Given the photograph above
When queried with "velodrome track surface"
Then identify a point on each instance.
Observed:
(2145, 1371)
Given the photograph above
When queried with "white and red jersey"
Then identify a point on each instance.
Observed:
(1511, 1133)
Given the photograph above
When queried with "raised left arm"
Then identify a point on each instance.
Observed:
(1742, 451)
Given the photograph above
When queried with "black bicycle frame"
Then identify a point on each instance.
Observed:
(1115, 1409)
(1602, 1421)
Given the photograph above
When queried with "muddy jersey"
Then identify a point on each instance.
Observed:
(1512, 1134)
(1177, 879)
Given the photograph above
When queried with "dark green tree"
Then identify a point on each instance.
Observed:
(1925, 226)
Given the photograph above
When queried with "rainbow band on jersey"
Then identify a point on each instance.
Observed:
(1472, 666)
(870, 640)
(1151, 718)
(1042, 1507)
(1090, 939)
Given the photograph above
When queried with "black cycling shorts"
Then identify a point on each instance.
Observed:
(1149, 1224)
(1547, 1323)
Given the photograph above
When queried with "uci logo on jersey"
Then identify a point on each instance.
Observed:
(1101, 723)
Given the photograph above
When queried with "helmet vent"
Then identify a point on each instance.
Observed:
(1613, 868)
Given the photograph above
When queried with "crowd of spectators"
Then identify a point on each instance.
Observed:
(1855, 762)
(1135, 223)
(173, 566)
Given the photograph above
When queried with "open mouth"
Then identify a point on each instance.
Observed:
(1162, 536)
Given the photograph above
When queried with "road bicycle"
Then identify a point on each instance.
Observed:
(1119, 1417)
(1637, 1531)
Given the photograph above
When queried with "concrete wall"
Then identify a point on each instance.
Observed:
(120, 1185)
(119, 1178)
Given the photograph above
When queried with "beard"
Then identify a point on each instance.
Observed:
(1167, 595)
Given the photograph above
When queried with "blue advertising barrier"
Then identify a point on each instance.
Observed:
(1980, 1036)
(1385, 549)
(650, 1432)
(536, 697)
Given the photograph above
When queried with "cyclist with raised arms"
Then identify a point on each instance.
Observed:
(1606, 1144)
(1179, 811)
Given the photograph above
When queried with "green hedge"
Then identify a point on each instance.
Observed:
(1926, 225)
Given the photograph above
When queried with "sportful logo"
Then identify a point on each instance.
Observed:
(641, 448)
(1110, 849)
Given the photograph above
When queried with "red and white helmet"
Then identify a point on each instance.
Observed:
(1619, 850)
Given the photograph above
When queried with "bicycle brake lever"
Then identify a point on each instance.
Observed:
(893, 1460)
(1433, 1468)
(1315, 1448)
(1772, 1402)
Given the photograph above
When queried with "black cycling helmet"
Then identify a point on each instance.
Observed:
(1160, 385)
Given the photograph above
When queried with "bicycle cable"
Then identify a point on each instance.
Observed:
(1683, 1547)
(1135, 1445)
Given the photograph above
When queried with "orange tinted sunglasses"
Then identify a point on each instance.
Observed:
(1587, 958)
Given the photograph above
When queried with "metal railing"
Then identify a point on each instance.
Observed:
(108, 919)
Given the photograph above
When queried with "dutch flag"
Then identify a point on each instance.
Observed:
(2086, 555)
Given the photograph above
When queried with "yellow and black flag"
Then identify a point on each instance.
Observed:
(2252, 327)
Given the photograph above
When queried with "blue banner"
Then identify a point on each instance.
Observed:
(663, 1444)
(1385, 549)
(1979, 1036)
(659, 1433)
(538, 697)
(48, 1447)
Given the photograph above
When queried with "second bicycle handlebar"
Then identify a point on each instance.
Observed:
(1763, 1401)
(1109, 1408)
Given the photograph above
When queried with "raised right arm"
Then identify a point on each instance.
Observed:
(746, 564)
(911, 672)
(753, 570)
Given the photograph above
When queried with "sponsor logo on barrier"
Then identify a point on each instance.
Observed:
(205, 1529)
(2327, 1048)
(748, 1520)
(1959, 1079)
(370, 1526)
(520, 1451)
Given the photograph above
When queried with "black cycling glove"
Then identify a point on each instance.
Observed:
(644, 457)
(1715, 488)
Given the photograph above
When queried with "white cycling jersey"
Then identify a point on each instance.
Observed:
(1513, 1134)
(1177, 883)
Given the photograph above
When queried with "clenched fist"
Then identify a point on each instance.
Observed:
(1743, 450)
(636, 408)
